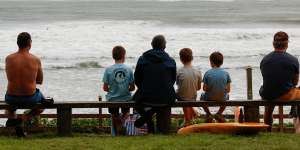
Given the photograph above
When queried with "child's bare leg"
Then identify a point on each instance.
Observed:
(118, 120)
(221, 110)
(206, 109)
(116, 123)
(209, 118)
(125, 114)
(188, 115)
(219, 117)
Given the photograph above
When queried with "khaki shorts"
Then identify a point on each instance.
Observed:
(292, 94)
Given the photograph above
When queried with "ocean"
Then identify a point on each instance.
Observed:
(74, 38)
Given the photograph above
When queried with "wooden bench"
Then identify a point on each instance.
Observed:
(64, 109)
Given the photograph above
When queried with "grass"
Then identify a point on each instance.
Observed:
(84, 141)
(276, 141)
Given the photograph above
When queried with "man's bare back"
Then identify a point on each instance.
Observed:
(23, 72)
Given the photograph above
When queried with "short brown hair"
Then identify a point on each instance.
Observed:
(186, 55)
(118, 52)
(216, 58)
(281, 40)
(23, 40)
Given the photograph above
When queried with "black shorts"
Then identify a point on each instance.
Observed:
(115, 111)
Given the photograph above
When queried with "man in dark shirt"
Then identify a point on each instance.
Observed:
(280, 72)
(155, 75)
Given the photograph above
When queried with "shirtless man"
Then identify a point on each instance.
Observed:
(23, 71)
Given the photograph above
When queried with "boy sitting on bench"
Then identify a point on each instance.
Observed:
(118, 82)
(216, 84)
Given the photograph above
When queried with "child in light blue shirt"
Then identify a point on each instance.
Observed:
(216, 84)
(118, 78)
(118, 82)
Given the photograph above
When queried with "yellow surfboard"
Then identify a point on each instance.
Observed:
(226, 128)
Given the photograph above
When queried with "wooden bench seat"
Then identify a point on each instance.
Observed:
(64, 109)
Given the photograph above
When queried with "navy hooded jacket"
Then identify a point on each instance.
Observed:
(155, 76)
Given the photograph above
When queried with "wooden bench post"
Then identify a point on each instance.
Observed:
(280, 118)
(64, 120)
(100, 113)
(251, 112)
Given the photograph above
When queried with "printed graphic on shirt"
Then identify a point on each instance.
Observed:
(120, 75)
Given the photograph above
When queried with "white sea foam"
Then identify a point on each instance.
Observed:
(68, 43)
(71, 49)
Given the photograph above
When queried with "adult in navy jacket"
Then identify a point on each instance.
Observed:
(155, 76)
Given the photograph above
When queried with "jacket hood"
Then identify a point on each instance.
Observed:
(156, 56)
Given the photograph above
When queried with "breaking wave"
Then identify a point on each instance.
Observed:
(81, 65)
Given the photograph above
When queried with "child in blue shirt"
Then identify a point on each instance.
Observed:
(216, 84)
(118, 82)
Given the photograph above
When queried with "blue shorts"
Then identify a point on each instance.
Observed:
(37, 97)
